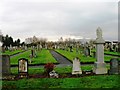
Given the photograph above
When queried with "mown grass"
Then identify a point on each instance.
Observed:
(99, 81)
(113, 53)
(108, 52)
(11, 52)
(43, 57)
(83, 58)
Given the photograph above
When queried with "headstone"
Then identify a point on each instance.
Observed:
(94, 54)
(119, 67)
(86, 51)
(71, 48)
(111, 48)
(33, 52)
(25, 47)
(3, 49)
(116, 48)
(31, 58)
(114, 66)
(23, 67)
(76, 67)
(99, 66)
(5, 59)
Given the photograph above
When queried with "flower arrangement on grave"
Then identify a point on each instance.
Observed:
(49, 67)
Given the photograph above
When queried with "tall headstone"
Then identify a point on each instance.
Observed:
(76, 67)
(5, 59)
(114, 66)
(99, 66)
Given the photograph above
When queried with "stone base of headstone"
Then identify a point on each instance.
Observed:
(76, 72)
(113, 71)
(100, 68)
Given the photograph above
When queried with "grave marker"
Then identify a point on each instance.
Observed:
(23, 67)
(76, 67)
(99, 66)
(5, 59)
(114, 66)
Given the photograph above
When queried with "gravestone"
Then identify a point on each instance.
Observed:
(71, 48)
(86, 51)
(25, 47)
(94, 54)
(76, 67)
(99, 66)
(31, 58)
(119, 67)
(33, 52)
(5, 59)
(23, 67)
(3, 49)
(114, 66)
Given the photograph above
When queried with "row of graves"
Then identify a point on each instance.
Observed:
(13, 48)
(99, 65)
(99, 68)
(112, 46)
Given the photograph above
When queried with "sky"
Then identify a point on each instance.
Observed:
(53, 19)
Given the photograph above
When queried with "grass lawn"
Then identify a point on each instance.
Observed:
(108, 52)
(95, 81)
(43, 57)
(114, 53)
(99, 81)
(72, 55)
(11, 52)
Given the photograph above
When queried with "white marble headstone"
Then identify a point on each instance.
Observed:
(76, 67)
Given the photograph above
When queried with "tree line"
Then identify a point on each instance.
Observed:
(8, 41)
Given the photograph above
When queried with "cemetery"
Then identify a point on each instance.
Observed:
(61, 65)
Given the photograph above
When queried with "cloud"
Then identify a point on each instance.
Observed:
(53, 19)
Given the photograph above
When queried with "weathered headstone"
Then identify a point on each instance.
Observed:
(94, 54)
(23, 67)
(76, 67)
(3, 49)
(25, 47)
(31, 58)
(86, 51)
(119, 67)
(71, 48)
(33, 52)
(114, 66)
(99, 66)
(5, 59)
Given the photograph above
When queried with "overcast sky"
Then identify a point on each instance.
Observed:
(53, 19)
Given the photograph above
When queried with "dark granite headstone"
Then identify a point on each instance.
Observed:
(119, 67)
(5, 59)
(94, 54)
(114, 63)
